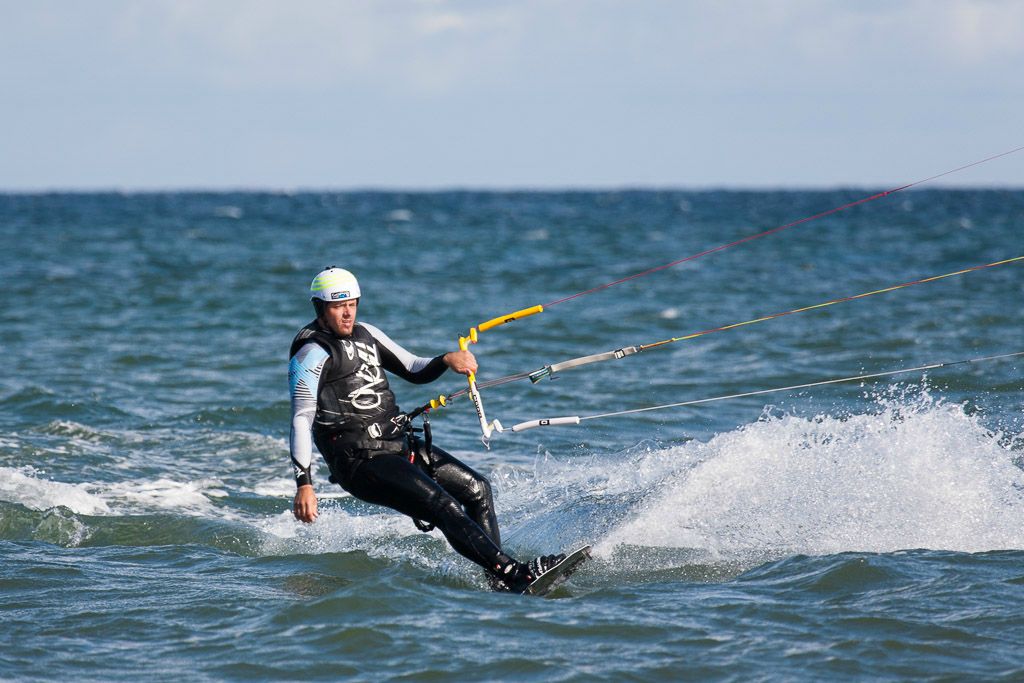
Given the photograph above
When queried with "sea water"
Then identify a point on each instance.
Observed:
(867, 530)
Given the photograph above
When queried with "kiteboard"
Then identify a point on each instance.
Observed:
(552, 578)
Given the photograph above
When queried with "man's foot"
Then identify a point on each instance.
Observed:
(543, 564)
(516, 577)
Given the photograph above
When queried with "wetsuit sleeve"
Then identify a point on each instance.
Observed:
(304, 372)
(409, 367)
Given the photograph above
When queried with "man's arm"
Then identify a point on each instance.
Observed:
(414, 368)
(304, 372)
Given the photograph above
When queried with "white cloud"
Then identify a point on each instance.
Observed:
(444, 22)
(982, 31)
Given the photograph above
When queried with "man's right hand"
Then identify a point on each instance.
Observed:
(462, 362)
(304, 507)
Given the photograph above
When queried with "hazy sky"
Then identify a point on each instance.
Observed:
(535, 93)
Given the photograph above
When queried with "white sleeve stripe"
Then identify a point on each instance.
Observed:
(412, 362)
(304, 379)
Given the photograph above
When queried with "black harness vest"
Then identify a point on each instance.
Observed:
(355, 407)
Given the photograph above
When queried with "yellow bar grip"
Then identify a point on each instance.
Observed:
(502, 319)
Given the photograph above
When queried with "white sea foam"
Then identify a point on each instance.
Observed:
(399, 216)
(336, 530)
(275, 487)
(228, 211)
(191, 497)
(917, 474)
(387, 535)
(284, 487)
(25, 487)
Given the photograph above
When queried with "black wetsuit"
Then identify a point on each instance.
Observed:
(360, 432)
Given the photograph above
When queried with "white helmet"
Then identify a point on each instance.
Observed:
(334, 284)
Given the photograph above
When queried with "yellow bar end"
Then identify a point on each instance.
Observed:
(502, 319)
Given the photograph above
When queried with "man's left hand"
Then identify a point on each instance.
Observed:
(304, 506)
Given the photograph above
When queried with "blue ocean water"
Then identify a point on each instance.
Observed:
(867, 530)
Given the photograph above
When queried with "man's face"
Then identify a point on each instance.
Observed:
(340, 316)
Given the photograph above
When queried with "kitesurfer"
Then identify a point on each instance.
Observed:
(340, 396)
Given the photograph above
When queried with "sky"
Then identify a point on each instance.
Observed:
(501, 94)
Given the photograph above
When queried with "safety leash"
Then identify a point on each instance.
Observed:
(428, 463)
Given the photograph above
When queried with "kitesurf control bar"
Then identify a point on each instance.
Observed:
(576, 419)
(486, 428)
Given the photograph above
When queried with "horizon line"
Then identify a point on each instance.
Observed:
(486, 189)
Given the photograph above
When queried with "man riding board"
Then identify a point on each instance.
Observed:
(340, 396)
